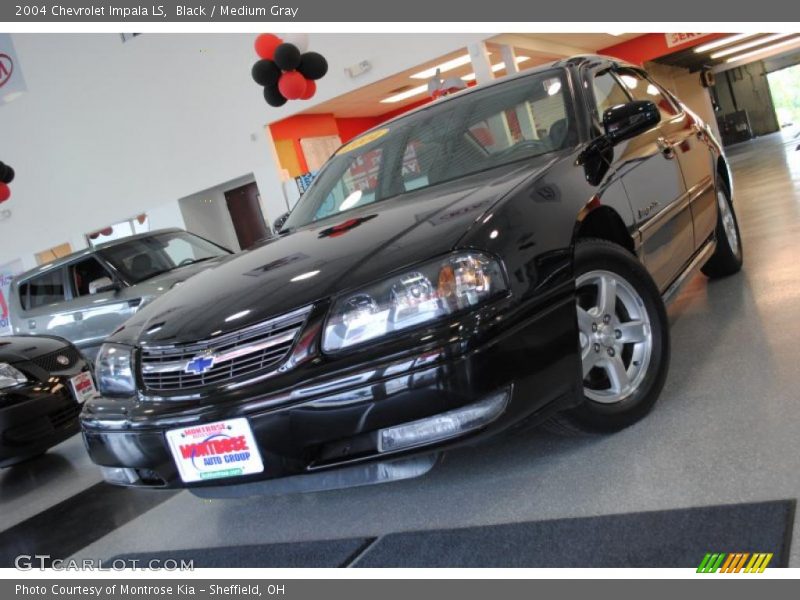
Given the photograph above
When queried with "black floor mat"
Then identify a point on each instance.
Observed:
(670, 538)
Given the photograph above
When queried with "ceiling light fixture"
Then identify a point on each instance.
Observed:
(723, 42)
(496, 68)
(752, 44)
(421, 89)
(406, 95)
(739, 57)
(443, 68)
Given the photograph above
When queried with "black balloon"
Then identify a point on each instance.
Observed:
(273, 96)
(313, 65)
(266, 72)
(6, 173)
(287, 57)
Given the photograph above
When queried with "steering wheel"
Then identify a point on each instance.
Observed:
(186, 261)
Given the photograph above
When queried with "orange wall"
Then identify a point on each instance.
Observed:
(651, 45)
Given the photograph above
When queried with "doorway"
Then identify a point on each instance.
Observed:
(244, 205)
(784, 85)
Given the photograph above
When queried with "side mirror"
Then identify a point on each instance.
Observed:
(625, 121)
(278, 223)
(103, 284)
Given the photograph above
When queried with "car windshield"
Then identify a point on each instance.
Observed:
(149, 256)
(512, 121)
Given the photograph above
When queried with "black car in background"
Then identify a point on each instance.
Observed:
(499, 256)
(43, 382)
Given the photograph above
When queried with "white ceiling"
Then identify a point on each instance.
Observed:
(540, 47)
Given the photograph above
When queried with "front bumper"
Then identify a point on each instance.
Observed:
(335, 423)
(43, 415)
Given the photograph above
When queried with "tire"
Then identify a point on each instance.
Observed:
(625, 347)
(727, 258)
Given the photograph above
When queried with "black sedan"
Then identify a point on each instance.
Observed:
(43, 382)
(499, 256)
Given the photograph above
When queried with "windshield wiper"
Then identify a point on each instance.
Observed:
(194, 262)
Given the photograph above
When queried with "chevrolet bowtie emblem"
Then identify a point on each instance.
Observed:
(200, 364)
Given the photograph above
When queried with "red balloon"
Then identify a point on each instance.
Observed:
(292, 85)
(311, 89)
(265, 45)
(5, 192)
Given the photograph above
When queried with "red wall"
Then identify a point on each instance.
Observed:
(350, 127)
(652, 45)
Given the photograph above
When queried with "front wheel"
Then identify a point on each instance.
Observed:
(727, 258)
(623, 336)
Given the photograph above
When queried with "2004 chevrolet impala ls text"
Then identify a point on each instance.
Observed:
(499, 256)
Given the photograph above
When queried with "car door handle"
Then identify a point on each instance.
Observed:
(77, 316)
(31, 324)
(665, 147)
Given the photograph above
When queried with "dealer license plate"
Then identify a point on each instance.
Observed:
(215, 450)
(82, 386)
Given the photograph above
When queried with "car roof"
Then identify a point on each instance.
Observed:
(61, 261)
(576, 61)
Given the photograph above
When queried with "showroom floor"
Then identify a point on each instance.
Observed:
(725, 430)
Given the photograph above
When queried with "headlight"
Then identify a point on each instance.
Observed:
(113, 370)
(430, 292)
(9, 376)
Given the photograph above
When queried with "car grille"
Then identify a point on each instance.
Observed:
(68, 356)
(254, 350)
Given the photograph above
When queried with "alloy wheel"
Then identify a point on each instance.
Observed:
(615, 336)
(728, 223)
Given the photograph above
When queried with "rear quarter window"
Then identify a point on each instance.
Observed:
(43, 290)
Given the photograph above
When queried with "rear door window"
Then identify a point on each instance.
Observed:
(43, 290)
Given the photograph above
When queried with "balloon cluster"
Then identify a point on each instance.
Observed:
(286, 70)
(6, 177)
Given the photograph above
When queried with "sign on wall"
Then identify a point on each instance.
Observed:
(7, 273)
(678, 39)
(12, 83)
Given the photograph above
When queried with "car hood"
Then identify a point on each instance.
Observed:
(14, 349)
(320, 260)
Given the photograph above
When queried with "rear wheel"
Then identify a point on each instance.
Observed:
(727, 258)
(624, 340)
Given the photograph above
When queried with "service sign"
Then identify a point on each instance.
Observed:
(215, 450)
(678, 39)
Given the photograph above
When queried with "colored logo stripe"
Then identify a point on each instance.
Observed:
(734, 562)
(758, 563)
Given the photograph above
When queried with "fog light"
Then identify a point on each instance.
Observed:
(119, 475)
(445, 425)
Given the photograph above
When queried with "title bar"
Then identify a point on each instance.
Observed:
(625, 11)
